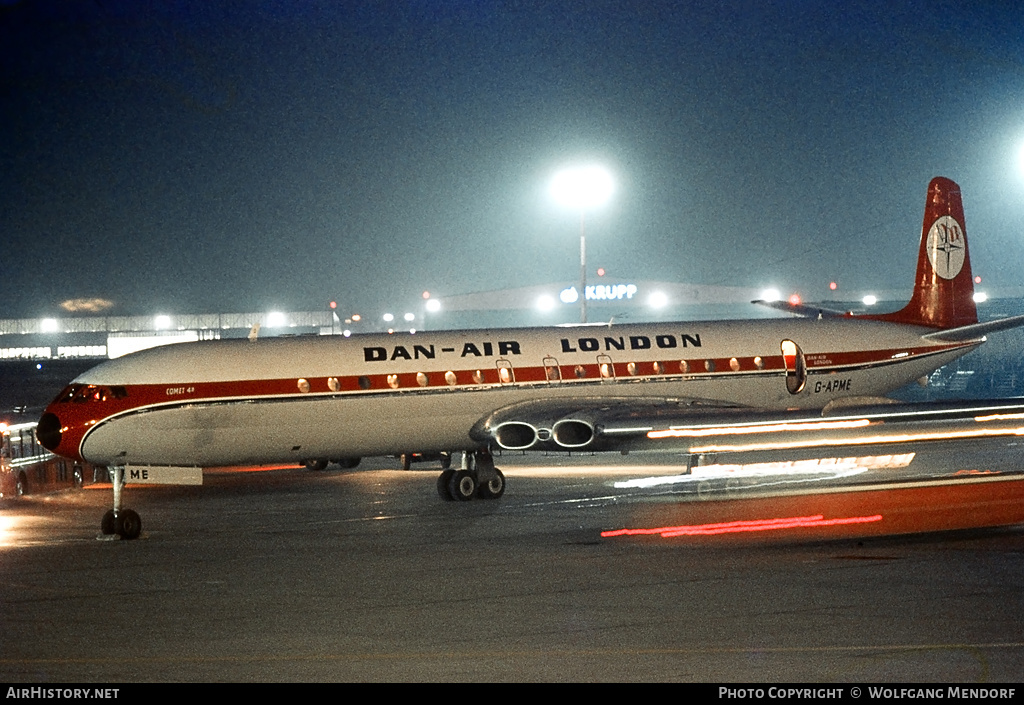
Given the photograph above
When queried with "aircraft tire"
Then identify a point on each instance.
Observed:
(462, 486)
(315, 464)
(348, 463)
(493, 489)
(107, 523)
(442, 485)
(129, 524)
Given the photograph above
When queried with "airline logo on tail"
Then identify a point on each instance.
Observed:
(947, 247)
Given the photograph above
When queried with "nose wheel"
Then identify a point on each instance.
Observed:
(478, 478)
(125, 523)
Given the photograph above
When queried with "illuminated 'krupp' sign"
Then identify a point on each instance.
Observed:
(599, 292)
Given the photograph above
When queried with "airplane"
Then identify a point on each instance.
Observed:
(316, 399)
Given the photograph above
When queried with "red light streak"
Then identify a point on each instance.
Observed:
(733, 527)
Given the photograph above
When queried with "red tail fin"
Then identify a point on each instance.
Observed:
(944, 286)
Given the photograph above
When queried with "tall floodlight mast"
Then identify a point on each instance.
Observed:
(581, 188)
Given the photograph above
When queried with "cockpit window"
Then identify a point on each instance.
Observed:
(82, 393)
(65, 396)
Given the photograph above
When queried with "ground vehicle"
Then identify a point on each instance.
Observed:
(25, 466)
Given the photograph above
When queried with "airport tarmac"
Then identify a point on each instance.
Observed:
(291, 575)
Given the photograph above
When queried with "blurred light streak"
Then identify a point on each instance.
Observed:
(7, 528)
(743, 526)
(864, 440)
(998, 417)
(766, 428)
(835, 467)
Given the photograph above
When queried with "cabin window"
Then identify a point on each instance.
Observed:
(505, 375)
(605, 367)
(683, 367)
(734, 365)
(709, 365)
(551, 371)
(364, 382)
(303, 385)
(333, 384)
(580, 371)
(478, 377)
(759, 363)
(658, 368)
(631, 368)
(421, 379)
(393, 381)
(450, 378)
(796, 367)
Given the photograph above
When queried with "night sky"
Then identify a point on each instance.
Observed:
(203, 156)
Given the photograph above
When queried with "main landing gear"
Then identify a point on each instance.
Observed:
(476, 478)
(117, 521)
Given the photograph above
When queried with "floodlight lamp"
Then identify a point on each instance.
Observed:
(582, 187)
(545, 302)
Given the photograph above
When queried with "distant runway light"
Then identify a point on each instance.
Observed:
(771, 295)
(980, 297)
(48, 325)
(870, 300)
(545, 302)
(388, 317)
(657, 300)
(276, 319)
(161, 322)
(409, 317)
(433, 305)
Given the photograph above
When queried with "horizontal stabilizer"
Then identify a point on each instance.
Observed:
(801, 310)
(976, 330)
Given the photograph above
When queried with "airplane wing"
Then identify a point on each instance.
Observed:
(697, 427)
(802, 310)
(590, 423)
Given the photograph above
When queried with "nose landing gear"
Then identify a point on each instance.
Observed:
(124, 523)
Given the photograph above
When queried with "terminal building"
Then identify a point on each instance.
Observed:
(100, 336)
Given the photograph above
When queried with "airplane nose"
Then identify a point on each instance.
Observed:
(49, 431)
